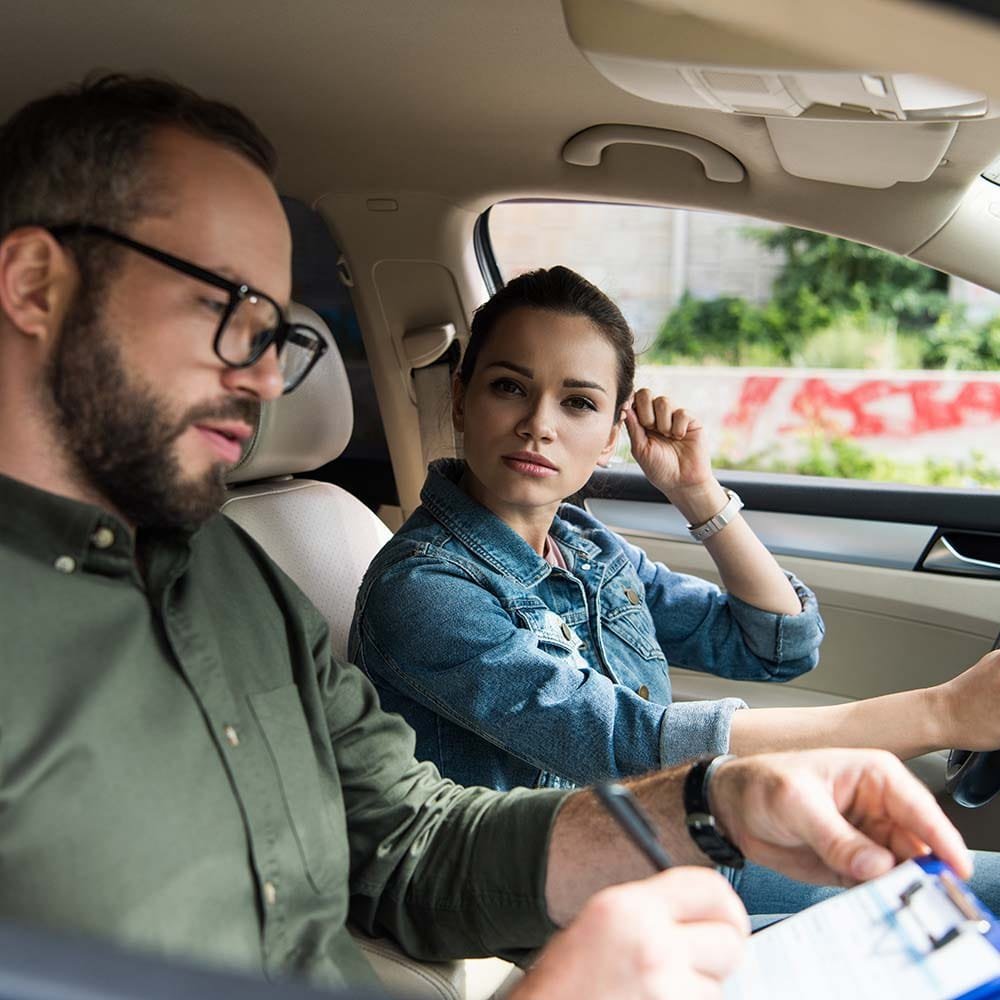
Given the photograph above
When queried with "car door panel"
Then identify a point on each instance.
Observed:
(892, 624)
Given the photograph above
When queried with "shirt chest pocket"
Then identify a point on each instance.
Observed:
(625, 616)
(308, 801)
(551, 631)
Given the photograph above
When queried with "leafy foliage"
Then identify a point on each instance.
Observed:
(845, 459)
(842, 276)
(834, 304)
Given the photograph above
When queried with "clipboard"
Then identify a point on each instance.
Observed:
(982, 920)
(918, 933)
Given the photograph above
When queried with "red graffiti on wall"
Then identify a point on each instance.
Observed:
(861, 411)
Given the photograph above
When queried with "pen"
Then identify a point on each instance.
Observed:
(624, 809)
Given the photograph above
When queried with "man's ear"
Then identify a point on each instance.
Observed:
(609, 449)
(37, 281)
(457, 404)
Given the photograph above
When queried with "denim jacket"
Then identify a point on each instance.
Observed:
(515, 672)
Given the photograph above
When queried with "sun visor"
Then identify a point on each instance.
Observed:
(673, 57)
(863, 154)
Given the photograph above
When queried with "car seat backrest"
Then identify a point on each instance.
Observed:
(319, 534)
(324, 538)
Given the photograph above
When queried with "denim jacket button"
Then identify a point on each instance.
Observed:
(585, 566)
(643, 692)
(633, 597)
(567, 634)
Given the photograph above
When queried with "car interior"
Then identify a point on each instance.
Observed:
(400, 123)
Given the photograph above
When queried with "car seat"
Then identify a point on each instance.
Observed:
(324, 538)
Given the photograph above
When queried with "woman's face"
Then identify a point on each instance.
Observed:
(539, 411)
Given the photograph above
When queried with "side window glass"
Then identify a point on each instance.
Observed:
(802, 353)
(364, 468)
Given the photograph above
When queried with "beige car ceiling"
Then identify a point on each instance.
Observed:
(473, 100)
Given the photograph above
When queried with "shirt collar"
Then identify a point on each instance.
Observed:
(70, 535)
(481, 531)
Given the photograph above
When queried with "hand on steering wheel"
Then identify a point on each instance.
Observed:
(973, 778)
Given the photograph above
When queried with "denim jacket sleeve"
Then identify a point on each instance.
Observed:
(701, 627)
(430, 630)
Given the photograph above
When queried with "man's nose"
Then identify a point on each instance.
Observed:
(263, 379)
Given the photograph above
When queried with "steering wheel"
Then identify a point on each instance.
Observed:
(973, 778)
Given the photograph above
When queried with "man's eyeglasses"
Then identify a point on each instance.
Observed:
(249, 321)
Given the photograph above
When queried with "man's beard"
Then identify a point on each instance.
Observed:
(119, 432)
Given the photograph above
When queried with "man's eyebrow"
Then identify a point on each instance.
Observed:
(230, 275)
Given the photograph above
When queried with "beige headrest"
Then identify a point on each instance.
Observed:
(310, 427)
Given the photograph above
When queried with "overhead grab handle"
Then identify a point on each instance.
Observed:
(586, 148)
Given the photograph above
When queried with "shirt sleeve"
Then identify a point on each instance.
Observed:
(448, 872)
(700, 626)
(482, 672)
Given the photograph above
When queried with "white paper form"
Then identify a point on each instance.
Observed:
(866, 945)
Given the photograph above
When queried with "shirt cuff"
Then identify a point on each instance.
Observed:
(695, 728)
(511, 913)
(781, 638)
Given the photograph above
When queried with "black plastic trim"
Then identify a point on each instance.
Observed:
(983, 8)
(847, 498)
(483, 247)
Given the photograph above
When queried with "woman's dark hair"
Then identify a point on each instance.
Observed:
(559, 290)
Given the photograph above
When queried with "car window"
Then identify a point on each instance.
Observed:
(364, 467)
(802, 353)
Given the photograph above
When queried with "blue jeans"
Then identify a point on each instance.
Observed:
(768, 895)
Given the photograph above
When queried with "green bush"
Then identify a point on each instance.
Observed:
(725, 330)
(954, 345)
(845, 459)
(843, 276)
(835, 304)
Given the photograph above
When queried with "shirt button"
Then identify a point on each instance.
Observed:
(65, 564)
(270, 893)
(232, 737)
(585, 566)
(643, 692)
(564, 628)
(103, 538)
(633, 597)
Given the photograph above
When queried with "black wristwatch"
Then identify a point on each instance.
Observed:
(699, 819)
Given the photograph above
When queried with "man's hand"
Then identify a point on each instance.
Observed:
(676, 934)
(835, 817)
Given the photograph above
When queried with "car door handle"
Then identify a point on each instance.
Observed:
(944, 557)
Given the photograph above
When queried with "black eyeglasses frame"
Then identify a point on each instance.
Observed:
(237, 293)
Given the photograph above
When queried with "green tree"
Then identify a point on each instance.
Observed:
(842, 276)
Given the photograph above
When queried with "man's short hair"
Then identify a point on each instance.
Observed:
(77, 155)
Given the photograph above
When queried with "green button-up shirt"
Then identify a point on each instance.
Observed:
(184, 767)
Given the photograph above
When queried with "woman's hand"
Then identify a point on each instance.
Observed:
(970, 706)
(668, 443)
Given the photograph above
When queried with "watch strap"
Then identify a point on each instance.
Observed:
(700, 822)
(700, 532)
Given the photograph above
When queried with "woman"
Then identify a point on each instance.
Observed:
(527, 644)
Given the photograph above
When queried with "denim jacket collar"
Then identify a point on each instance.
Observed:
(483, 533)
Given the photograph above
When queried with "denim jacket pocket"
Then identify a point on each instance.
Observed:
(285, 730)
(549, 628)
(633, 625)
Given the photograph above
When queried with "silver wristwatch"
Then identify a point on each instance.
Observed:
(699, 532)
